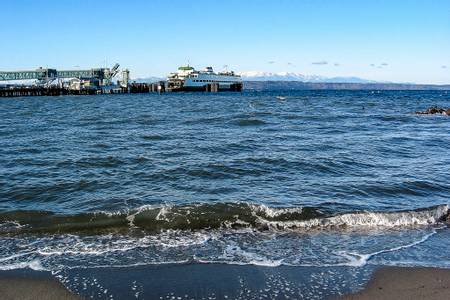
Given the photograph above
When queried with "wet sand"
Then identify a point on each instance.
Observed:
(202, 281)
(26, 285)
(188, 281)
(406, 283)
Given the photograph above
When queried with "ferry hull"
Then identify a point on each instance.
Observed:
(235, 87)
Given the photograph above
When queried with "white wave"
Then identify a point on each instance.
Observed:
(235, 254)
(71, 245)
(359, 260)
(264, 215)
(138, 264)
(237, 222)
(11, 225)
(273, 212)
(108, 244)
(177, 238)
(164, 209)
(228, 249)
(366, 219)
(162, 214)
(33, 264)
(14, 256)
(130, 217)
(414, 263)
(243, 246)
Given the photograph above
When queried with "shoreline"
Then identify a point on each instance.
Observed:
(224, 281)
(26, 284)
(184, 281)
(405, 283)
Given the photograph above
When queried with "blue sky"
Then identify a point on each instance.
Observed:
(400, 41)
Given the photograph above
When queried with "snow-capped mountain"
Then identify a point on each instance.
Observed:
(150, 79)
(291, 76)
(279, 76)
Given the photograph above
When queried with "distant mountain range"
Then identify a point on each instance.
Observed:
(263, 81)
(150, 79)
(290, 76)
(298, 85)
(280, 76)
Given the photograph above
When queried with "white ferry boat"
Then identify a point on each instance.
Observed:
(189, 79)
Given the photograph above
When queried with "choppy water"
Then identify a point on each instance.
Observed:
(318, 179)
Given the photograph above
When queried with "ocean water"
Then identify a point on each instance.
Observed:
(343, 181)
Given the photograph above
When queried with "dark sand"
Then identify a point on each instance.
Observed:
(198, 281)
(406, 283)
(202, 281)
(216, 281)
(25, 285)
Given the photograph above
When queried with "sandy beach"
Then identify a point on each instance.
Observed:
(406, 283)
(29, 285)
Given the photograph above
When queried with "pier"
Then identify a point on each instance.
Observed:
(52, 82)
(21, 91)
(133, 88)
(95, 81)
